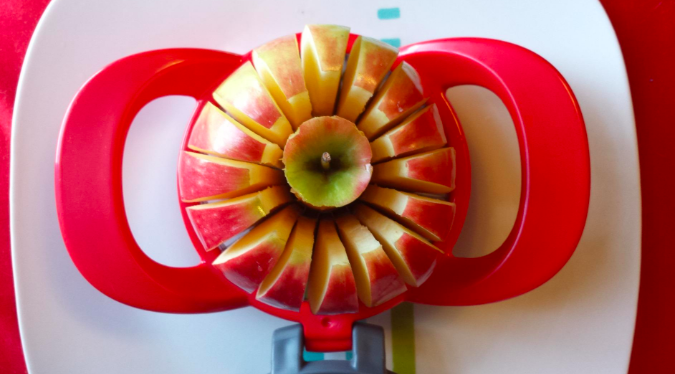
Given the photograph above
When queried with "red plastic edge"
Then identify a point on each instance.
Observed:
(88, 182)
(554, 159)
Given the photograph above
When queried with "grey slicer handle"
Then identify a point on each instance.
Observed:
(368, 353)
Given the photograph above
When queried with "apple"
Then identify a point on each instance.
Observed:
(316, 172)
(202, 177)
(429, 172)
(332, 288)
(278, 64)
(421, 132)
(400, 95)
(377, 280)
(413, 256)
(248, 261)
(284, 287)
(322, 50)
(217, 222)
(431, 218)
(369, 61)
(327, 162)
(243, 95)
(218, 134)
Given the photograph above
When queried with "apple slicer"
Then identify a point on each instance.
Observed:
(554, 197)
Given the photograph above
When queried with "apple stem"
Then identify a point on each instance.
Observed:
(325, 161)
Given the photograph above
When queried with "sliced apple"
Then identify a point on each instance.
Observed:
(284, 287)
(413, 256)
(248, 261)
(369, 61)
(215, 223)
(244, 97)
(218, 134)
(431, 218)
(332, 288)
(377, 280)
(421, 132)
(400, 96)
(202, 177)
(278, 64)
(323, 49)
(430, 172)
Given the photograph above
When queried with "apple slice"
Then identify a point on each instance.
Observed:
(430, 172)
(218, 134)
(412, 255)
(245, 98)
(323, 49)
(431, 218)
(369, 61)
(377, 280)
(248, 261)
(421, 132)
(202, 177)
(332, 288)
(215, 223)
(400, 95)
(284, 287)
(278, 64)
(327, 162)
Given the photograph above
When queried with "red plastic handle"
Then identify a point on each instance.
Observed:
(89, 182)
(555, 168)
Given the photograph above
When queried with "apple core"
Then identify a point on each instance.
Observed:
(327, 162)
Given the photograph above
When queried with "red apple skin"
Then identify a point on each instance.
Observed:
(249, 269)
(431, 218)
(403, 95)
(247, 262)
(414, 257)
(368, 63)
(436, 218)
(437, 167)
(215, 134)
(200, 178)
(385, 283)
(379, 61)
(421, 258)
(431, 172)
(325, 38)
(289, 290)
(289, 73)
(341, 295)
(244, 96)
(250, 96)
(399, 96)
(423, 134)
(332, 287)
(217, 222)
(377, 280)
(214, 226)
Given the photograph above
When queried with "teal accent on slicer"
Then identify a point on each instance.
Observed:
(396, 42)
(388, 13)
(312, 356)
